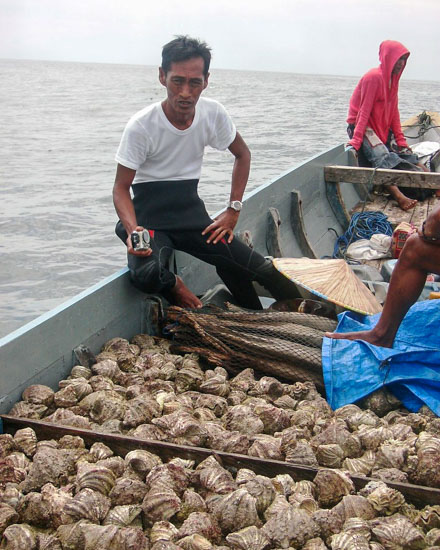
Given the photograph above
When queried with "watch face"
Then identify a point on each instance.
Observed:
(236, 205)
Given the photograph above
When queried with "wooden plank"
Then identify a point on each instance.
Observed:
(298, 226)
(417, 494)
(380, 176)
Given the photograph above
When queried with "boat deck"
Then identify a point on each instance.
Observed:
(384, 203)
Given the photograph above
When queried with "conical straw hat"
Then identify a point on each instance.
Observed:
(332, 280)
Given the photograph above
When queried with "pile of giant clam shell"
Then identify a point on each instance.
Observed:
(61, 495)
(142, 390)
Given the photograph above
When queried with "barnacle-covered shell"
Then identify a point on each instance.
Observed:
(103, 405)
(24, 409)
(96, 477)
(273, 418)
(38, 394)
(25, 440)
(278, 507)
(291, 529)
(87, 504)
(128, 491)
(191, 502)
(236, 510)
(124, 515)
(331, 486)
(337, 433)
(19, 537)
(397, 532)
(140, 410)
(200, 523)
(266, 446)
(241, 418)
(302, 454)
(249, 538)
(392, 454)
(68, 418)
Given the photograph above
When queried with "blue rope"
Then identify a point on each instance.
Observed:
(362, 226)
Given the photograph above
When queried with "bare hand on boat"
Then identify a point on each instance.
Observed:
(130, 248)
(221, 226)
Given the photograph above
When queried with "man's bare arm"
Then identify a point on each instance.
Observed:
(224, 223)
(124, 205)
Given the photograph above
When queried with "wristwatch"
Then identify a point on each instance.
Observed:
(235, 205)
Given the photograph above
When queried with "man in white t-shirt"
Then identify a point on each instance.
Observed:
(160, 157)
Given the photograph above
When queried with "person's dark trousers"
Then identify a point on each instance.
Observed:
(236, 264)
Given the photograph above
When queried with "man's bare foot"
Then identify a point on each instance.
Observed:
(184, 297)
(365, 335)
(405, 203)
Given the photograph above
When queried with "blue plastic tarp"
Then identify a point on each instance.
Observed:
(353, 369)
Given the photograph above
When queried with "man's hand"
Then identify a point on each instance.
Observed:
(130, 248)
(222, 225)
(404, 149)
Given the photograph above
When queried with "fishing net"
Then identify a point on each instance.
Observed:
(283, 344)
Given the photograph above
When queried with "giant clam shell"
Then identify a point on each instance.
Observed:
(24, 409)
(291, 529)
(330, 455)
(241, 418)
(25, 440)
(163, 531)
(195, 542)
(109, 369)
(349, 541)
(142, 462)
(428, 472)
(191, 502)
(302, 454)
(331, 486)
(38, 394)
(397, 532)
(273, 418)
(19, 537)
(261, 488)
(96, 477)
(362, 465)
(140, 410)
(99, 451)
(236, 510)
(215, 385)
(214, 479)
(7, 516)
(128, 491)
(386, 500)
(200, 523)
(88, 504)
(249, 538)
(68, 418)
(124, 516)
(266, 446)
(160, 505)
(6, 444)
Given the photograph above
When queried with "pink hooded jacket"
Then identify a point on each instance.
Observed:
(374, 100)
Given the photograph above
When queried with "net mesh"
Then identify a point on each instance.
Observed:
(284, 344)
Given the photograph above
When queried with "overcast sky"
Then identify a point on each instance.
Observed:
(303, 36)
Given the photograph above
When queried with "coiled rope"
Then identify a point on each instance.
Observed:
(362, 226)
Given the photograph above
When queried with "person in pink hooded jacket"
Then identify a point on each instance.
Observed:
(374, 120)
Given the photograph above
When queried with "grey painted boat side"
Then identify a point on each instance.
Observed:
(41, 352)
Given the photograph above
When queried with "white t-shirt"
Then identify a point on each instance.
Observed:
(159, 151)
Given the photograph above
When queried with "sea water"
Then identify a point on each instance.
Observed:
(61, 126)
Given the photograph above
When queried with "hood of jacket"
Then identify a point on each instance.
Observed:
(390, 51)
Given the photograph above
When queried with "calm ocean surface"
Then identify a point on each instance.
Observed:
(61, 125)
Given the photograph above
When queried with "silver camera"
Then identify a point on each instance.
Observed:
(140, 240)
